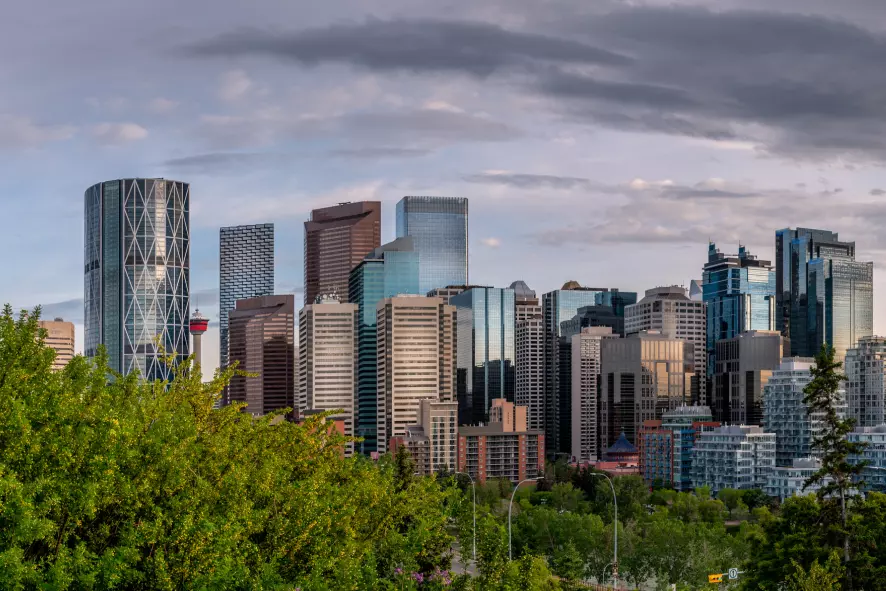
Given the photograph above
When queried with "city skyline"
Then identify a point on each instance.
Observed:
(563, 182)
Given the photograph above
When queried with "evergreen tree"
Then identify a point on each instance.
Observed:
(837, 477)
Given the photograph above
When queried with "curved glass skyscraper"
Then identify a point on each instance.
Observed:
(137, 273)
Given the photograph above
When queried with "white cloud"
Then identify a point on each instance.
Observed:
(162, 105)
(119, 133)
(442, 106)
(491, 242)
(21, 132)
(234, 85)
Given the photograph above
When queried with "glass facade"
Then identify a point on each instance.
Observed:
(439, 226)
(840, 304)
(809, 264)
(560, 309)
(137, 274)
(388, 271)
(739, 295)
(486, 350)
(246, 270)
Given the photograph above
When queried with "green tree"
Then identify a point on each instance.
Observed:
(730, 497)
(837, 477)
(126, 484)
(819, 577)
(754, 498)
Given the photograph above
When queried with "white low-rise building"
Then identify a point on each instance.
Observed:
(874, 474)
(787, 481)
(740, 457)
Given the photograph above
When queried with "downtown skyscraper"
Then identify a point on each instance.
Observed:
(439, 226)
(559, 307)
(486, 350)
(739, 295)
(388, 271)
(246, 270)
(336, 240)
(137, 274)
(823, 294)
(262, 342)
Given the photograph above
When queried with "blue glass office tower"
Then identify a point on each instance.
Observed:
(246, 270)
(137, 274)
(486, 350)
(824, 295)
(388, 271)
(559, 309)
(439, 226)
(739, 295)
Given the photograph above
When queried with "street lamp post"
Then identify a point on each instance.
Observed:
(474, 493)
(510, 506)
(614, 526)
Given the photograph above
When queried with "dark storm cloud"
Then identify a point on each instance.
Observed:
(419, 129)
(566, 183)
(474, 48)
(796, 84)
(378, 153)
(216, 162)
(532, 181)
(815, 83)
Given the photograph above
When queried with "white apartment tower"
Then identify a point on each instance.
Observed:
(587, 348)
(865, 369)
(530, 355)
(326, 368)
(670, 311)
(416, 360)
(785, 414)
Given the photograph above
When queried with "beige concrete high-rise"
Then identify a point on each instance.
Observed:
(529, 360)
(327, 366)
(59, 336)
(416, 360)
(670, 311)
(587, 348)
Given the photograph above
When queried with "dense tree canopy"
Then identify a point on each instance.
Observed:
(110, 482)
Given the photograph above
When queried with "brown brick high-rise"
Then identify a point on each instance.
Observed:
(337, 239)
(262, 341)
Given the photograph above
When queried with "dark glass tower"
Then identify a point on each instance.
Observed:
(560, 308)
(840, 308)
(439, 226)
(137, 273)
(486, 350)
(388, 271)
(739, 295)
(246, 270)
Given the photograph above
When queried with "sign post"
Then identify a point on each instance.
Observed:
(715, 579)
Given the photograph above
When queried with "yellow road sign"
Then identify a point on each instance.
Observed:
(718, 578)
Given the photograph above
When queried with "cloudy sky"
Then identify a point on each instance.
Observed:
(599, 140)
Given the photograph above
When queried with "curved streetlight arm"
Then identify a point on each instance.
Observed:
(474, 491)
(510, 506)
(614, 526)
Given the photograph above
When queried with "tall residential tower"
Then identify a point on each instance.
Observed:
(246, 270)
